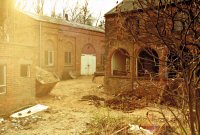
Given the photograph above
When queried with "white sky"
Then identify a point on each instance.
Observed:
(102, 6)
(96, 6)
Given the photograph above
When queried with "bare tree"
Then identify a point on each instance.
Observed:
(174, 26)
(39, 6)
(74, 13)
(81, 14)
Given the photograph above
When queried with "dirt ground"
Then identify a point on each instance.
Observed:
(67, 114)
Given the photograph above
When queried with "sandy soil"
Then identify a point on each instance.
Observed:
(68, 115)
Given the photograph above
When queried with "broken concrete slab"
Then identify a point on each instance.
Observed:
(29, 111)
(45, 81)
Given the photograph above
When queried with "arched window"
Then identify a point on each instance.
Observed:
(148, 63)
(120, 63)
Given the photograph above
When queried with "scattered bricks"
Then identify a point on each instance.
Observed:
(25, 123)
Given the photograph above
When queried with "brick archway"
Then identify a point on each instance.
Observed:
(120, 62)
(88, 49)
(148, 62)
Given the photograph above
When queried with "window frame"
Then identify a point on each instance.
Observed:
(28, 70)
(68, 58)
(50, 58)
(5, 79)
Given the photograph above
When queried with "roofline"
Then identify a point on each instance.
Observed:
(51, 20)
(139, 10)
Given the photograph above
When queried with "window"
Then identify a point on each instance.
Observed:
(68, 58)
(49, 58)
(25, 70)
(2, 79)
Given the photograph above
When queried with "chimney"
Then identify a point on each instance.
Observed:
(66, 17)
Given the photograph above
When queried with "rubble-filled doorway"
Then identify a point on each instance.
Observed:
(148, 63)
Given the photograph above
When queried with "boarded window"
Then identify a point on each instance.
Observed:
(25, 70)
(49, 58)
(68, 58)
(2, 78)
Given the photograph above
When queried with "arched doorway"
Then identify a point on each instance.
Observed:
(120, 63)
(88, 60)
(148, 63)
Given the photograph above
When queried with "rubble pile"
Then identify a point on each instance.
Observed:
(95, 100)
(25, 123)
(45, 82)
(130, 100)
(44, 76)
(3, 126)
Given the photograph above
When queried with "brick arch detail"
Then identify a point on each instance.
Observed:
(88, 49)
(112, 51)
(142, 48)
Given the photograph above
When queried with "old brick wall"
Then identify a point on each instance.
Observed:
(67, 38)
(118, 38)
(19, 48)
(20, 91)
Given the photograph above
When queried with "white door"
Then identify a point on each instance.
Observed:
(88, 64)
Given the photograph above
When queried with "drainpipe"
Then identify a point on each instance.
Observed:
(40, 41)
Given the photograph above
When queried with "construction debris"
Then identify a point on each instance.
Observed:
(136, 129)
(45, 81)
(24, 122)
(29, 111)
(95, 100)
(1, 120)
(44, 76)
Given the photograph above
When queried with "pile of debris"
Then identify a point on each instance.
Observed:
(3, 126)
(45, 81)
(93, 99)
(25, 122)
(133, 99)
(45, 77)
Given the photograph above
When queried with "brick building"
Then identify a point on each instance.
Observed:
(65, 46)
(127, 56)
(17, 62)
(28, 40)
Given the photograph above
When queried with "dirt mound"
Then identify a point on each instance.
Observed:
(44, 76)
